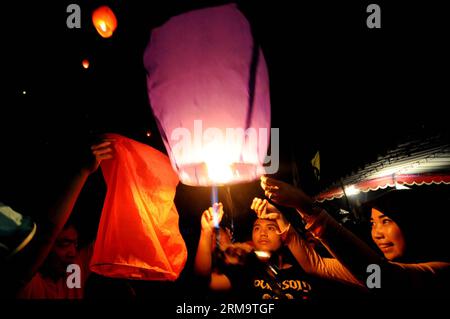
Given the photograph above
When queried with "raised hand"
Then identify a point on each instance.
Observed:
(207, 221)
(100, 151)
(266, 210)
(287, 195)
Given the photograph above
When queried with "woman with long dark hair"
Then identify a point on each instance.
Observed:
(409, 265)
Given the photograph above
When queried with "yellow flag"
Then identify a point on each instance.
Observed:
(315, 162)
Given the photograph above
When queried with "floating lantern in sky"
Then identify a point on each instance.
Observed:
(85, 63)
(105, 21)
(209, 90)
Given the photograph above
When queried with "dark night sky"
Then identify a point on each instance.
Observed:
(336, 86)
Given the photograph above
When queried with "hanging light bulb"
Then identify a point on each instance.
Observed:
(105, 21)
(352, 190)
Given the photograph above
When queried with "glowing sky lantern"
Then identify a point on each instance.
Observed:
(209, 90)
(85, 63)
(105, 21)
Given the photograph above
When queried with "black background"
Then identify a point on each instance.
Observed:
(336, 86)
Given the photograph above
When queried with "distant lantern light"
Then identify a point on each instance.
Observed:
(85, 63)
(105, 21)
(24, 92)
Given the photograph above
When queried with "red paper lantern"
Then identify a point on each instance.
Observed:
(85, 63)
(105, 21)
(138, 235)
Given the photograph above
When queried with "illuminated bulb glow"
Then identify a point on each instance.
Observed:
(351, 190)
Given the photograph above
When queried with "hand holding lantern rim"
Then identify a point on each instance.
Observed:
(287, 195)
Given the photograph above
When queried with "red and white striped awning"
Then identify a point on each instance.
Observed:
(384, 182)
(414, 163)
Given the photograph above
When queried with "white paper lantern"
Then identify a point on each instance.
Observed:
(209, 90)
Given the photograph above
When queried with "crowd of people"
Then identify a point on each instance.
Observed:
(279, 262)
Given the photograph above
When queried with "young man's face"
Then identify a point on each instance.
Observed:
(266, 235)
(64, 252)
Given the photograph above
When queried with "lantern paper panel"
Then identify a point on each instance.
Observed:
(209, 90)
(138, 235)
